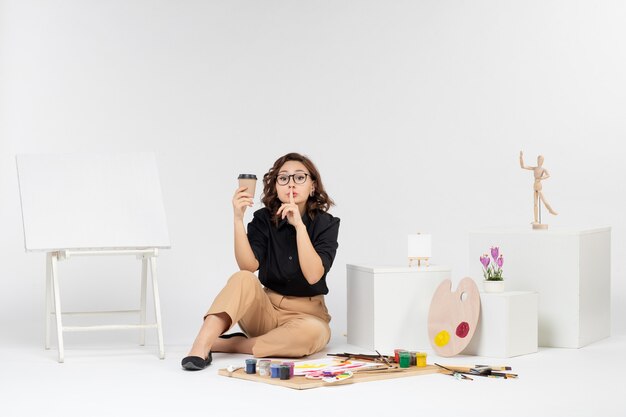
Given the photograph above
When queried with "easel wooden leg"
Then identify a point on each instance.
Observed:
(142, 313)
(57, 304)
(157, 306)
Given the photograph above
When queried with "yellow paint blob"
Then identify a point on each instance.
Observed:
(442, 338)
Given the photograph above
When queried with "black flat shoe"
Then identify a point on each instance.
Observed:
(196, 363)
(237, 334)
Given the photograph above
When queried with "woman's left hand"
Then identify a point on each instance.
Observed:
(291, 211)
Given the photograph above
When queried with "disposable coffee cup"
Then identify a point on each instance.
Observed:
(248, 180)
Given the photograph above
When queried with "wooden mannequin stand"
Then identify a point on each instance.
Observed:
(419, 260)
(539, 225)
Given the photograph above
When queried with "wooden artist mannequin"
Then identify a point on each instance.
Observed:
(540, 173)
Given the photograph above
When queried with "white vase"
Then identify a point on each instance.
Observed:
(493, 286)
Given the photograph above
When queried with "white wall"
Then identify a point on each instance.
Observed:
(414, 112)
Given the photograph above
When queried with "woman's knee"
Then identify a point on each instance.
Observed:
(245, 278)
(312, 335)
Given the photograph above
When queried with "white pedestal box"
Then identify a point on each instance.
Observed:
(388, 306)
(571, 271)
(507, 326)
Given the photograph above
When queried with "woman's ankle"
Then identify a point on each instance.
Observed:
(199, 351)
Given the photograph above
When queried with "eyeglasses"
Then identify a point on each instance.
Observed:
(299, 178)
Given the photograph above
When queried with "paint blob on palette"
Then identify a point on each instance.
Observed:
(453, 317)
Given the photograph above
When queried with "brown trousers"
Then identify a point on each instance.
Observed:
(284, 326)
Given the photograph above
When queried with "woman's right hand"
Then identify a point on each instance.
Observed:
(241, 200)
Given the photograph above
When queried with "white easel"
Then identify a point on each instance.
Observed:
(93, 205)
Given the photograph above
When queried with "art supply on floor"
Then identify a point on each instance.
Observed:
(503, 375)
(365, 357)
(332, 364)
(291, 365)
(264, 367)
(396, 353)
(495, 367)
(284, 372)
(382, 358)
(405, 358)
(275, 370)
(233, 368)
(251, 366)
(455, 374)
(364, 375)
(420, 359)
(477, 369)
(453, 316)
(480, 370)
(336, 377)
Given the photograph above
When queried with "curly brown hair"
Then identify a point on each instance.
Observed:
(318, 202)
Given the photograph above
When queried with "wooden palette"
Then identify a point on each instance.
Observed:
(301, 383)
(453, 317)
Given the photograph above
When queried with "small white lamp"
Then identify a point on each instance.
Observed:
(419, 248)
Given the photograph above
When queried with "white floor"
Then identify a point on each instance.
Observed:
(128, 380)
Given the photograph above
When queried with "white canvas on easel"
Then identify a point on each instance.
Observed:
(93, 204)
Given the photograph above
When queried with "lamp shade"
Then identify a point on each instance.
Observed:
(419, 246)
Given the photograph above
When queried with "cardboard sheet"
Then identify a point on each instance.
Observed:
(300, 382)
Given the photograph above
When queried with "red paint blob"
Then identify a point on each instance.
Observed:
(462, 329)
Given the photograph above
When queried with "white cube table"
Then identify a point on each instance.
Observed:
(571, 271)
(388, 306)
(507, 326)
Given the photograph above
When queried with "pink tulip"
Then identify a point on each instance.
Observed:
(494, 252)
(500, 261)
(485, 260)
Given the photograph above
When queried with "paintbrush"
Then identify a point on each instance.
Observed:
(382, 370)
(481, 371)
(456, 374)
(504, 375)
(383, 358)
(360, 356)
(495, 367)
(469, 370)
